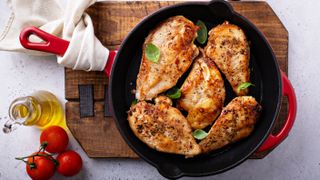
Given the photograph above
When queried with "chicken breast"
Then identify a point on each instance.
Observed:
(236, 122)
(202, 93)
(174, 37)
(163, 127)
(228, 47)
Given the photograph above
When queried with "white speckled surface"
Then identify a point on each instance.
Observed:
(298, 157)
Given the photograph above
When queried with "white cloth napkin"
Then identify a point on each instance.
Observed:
(85, 51)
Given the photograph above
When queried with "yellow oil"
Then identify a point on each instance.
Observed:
(41, 108)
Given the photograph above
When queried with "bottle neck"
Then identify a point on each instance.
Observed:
(21, 110)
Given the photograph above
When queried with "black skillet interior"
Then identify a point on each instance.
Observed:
(264, 74)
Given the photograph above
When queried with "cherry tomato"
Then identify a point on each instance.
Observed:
(70, 163)
(43, 169)
(56, 137)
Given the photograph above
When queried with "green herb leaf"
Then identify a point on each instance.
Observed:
(152, 52)
(202, 32)
(244, 86)
(174, 93)
(199, 134)
(134, 102)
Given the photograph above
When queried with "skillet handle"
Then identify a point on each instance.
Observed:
(51, 44)
(111, 57)
(221, 8)
(274, 140)
(169, 170)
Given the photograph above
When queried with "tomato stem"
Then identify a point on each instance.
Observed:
(32, 165)
(43, 146)
(22, 158)
(49, 156)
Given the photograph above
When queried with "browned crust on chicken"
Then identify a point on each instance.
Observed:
(228, 47)
(202, 93)
(236, 122)
(174, 37)
(163, 127)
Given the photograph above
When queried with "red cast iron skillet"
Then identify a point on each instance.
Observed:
(270, 85)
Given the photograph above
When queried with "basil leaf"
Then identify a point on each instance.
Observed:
(152, 52)
(244, 86)
(199, 134)
(202, 32)
(134, 102)
(174, 93)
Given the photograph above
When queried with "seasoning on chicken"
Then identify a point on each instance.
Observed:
(174, 38)
(203, 93)
(163, 127)
(236, 122)
(228, 47)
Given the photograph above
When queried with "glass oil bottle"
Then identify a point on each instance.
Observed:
(41, 109)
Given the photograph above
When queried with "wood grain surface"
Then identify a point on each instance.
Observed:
(98, 135)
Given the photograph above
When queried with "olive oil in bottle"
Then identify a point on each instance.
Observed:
(41, 108)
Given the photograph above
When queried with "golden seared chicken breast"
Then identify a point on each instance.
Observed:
(202, 93)
(228, 47)
(174, 38)
(236, 122)
(163, 127)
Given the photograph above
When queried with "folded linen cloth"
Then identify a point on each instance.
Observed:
(85, 51)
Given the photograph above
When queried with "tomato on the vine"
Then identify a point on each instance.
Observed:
(56, 138)
(40, 166)
(70, 163)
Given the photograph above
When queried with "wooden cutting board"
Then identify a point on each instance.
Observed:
(94, 129)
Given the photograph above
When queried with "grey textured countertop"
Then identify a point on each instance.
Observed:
(298, 157)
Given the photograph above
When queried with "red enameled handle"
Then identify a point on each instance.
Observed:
(51, 44)
(274, 140)
(111, 57)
